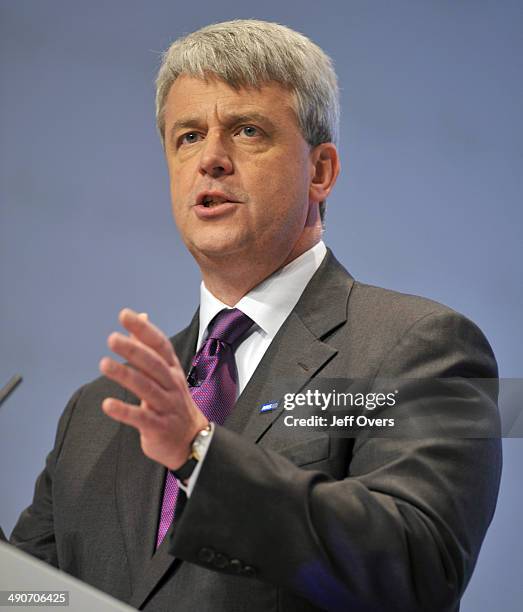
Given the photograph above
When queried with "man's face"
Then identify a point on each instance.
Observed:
(243, 147)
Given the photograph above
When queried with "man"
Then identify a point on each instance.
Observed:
(172, 495)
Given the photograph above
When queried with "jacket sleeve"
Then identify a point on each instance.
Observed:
(401, 532)
(34, 531)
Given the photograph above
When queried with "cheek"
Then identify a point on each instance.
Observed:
(290, 185)
(178, 191)
(280, 174)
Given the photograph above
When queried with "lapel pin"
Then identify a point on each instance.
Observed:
(269, 407)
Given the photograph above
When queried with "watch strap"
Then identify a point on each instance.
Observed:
(184, 472)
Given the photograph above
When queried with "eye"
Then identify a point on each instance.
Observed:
(250, 130)
(189, 138)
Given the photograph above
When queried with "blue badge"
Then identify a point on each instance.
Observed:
(269, 407)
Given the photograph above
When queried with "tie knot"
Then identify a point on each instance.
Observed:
(229, 325)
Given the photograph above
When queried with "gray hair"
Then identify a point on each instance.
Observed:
(249, 53)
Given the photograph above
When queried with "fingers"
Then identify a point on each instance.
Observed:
(153, 372)
(167, 417)
(129, 414)
(138, 383)
(142, 315)
(141, 328)
(143, 358)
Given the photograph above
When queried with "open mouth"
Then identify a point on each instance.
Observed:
(210, 202)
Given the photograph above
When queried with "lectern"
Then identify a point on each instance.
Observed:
(19, 572)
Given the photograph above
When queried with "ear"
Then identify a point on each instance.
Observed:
(325, 163)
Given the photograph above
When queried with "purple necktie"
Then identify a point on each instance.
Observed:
(214, 370)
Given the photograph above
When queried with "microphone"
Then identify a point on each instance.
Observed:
(192, 378)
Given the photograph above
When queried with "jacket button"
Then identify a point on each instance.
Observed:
(236, 566)
(206, 555)
(220, 561)
(249, 571)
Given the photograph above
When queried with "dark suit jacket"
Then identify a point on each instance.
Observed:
(286, 519)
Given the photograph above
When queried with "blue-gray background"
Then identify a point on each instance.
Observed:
(428, 202)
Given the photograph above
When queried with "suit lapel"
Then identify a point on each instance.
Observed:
(293, 357)
(297, 352)
(139, 488)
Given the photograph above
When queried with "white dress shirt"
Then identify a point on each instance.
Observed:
(268, 305)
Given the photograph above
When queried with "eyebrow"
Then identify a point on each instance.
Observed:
(189, 122)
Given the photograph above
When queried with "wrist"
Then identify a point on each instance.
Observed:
(198, 448)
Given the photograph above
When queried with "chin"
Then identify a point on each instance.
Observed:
(218, 247)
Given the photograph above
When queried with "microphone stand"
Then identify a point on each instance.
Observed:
(5, 392)
(10, 387)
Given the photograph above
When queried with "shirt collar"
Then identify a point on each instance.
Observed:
(269, 303)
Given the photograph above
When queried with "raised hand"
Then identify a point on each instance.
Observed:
(167, 418)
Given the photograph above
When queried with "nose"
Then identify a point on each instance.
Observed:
(215, 158)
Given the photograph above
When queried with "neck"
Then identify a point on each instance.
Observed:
(231, 278)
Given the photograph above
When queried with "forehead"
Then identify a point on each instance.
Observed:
(193, 96)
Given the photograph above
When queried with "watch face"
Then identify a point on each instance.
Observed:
(198, 445)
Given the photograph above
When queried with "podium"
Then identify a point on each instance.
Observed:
(23, 573)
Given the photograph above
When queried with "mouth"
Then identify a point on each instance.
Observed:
(214, 206)
(212, 199)
(212, 202)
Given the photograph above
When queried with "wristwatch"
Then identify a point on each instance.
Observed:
(198, 447)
